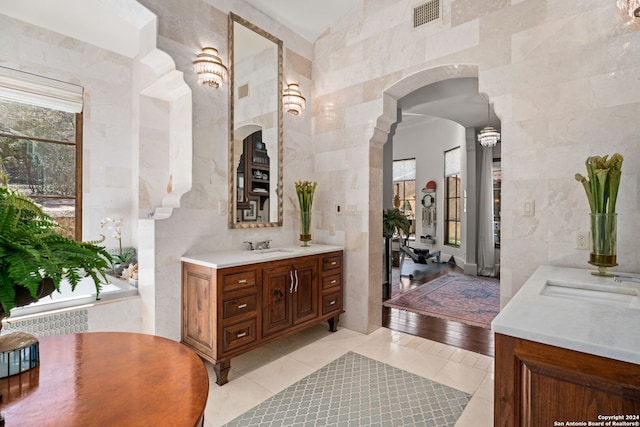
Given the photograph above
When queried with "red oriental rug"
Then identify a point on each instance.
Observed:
(472, 300)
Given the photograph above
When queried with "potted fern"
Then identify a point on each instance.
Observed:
(35, 257)
(393, 222)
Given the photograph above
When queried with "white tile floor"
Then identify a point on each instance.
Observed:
(261, 373)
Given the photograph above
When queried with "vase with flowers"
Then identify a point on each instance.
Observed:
(601, 185)
(305, 191)
(123, 258)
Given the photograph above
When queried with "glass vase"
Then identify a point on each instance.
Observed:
(604, 230)
(305, 228)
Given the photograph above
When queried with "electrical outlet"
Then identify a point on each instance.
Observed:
(332, 229)
(582, 241)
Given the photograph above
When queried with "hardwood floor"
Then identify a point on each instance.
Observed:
(472, 338)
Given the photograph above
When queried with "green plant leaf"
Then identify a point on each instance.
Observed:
(31, 248)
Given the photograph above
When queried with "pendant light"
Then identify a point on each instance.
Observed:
(488, 136)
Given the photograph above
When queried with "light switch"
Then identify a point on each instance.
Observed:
(528, 208)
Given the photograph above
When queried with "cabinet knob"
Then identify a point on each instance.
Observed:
(242, 281)
(333, 281)
(332, 302)
(242, 306)
(334, 262)
(242, 334)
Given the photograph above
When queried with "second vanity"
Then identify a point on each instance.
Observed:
(233, 302)
(568, 351)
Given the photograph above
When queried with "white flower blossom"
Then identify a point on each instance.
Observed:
(116, 226)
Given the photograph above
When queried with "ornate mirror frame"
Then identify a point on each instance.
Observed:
(233, 133)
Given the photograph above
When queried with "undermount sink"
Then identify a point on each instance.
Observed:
(612, 295)
(271, 250)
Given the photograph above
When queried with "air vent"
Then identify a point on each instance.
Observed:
(243, 91)
(426, 12)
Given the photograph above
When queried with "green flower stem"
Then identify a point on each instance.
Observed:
(305, 191)
(601, 187)
(602, 183)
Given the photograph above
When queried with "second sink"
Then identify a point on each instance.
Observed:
(613, 295)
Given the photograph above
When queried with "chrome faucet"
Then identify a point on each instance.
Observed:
(626, 279)
(249, 245)
(263, 244)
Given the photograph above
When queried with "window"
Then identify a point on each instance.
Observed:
(497, 191)
(453, 197)
(41, 144)
(404, 186)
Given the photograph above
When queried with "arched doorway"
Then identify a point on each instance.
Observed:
(400, 99)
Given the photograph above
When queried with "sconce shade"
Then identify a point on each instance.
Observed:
(209, 67)
(632, 7)
(292, 99)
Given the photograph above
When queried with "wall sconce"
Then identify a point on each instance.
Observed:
(632, 7)
(293, 100)
(211, 71)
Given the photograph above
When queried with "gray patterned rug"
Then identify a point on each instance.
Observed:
(354, 390)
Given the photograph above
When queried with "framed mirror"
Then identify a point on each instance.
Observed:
(255, 127)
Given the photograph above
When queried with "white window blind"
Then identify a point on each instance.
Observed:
(452, 162)
(404, 170)
(27, 88)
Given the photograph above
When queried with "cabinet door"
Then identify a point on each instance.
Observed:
(198, 320)
(542, 385)
(305, 292)
(277, 287)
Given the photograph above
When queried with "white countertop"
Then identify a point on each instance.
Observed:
(223, 259)
(589, 325)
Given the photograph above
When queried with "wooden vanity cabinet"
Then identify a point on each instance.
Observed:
(235, 292)
(289, 294)
(228, 311)
(541, 385)
(331, 292)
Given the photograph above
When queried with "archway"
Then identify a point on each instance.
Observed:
(381, 136)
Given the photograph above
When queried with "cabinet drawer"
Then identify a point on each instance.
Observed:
(240, 334)
(239, 280)
(331, 262)
(331, 302)
(332, 281)
(239, 306)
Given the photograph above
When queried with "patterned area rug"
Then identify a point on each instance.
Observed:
(468, 299)
(414, 273)
(354, 390)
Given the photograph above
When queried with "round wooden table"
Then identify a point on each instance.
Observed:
(108, 379)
